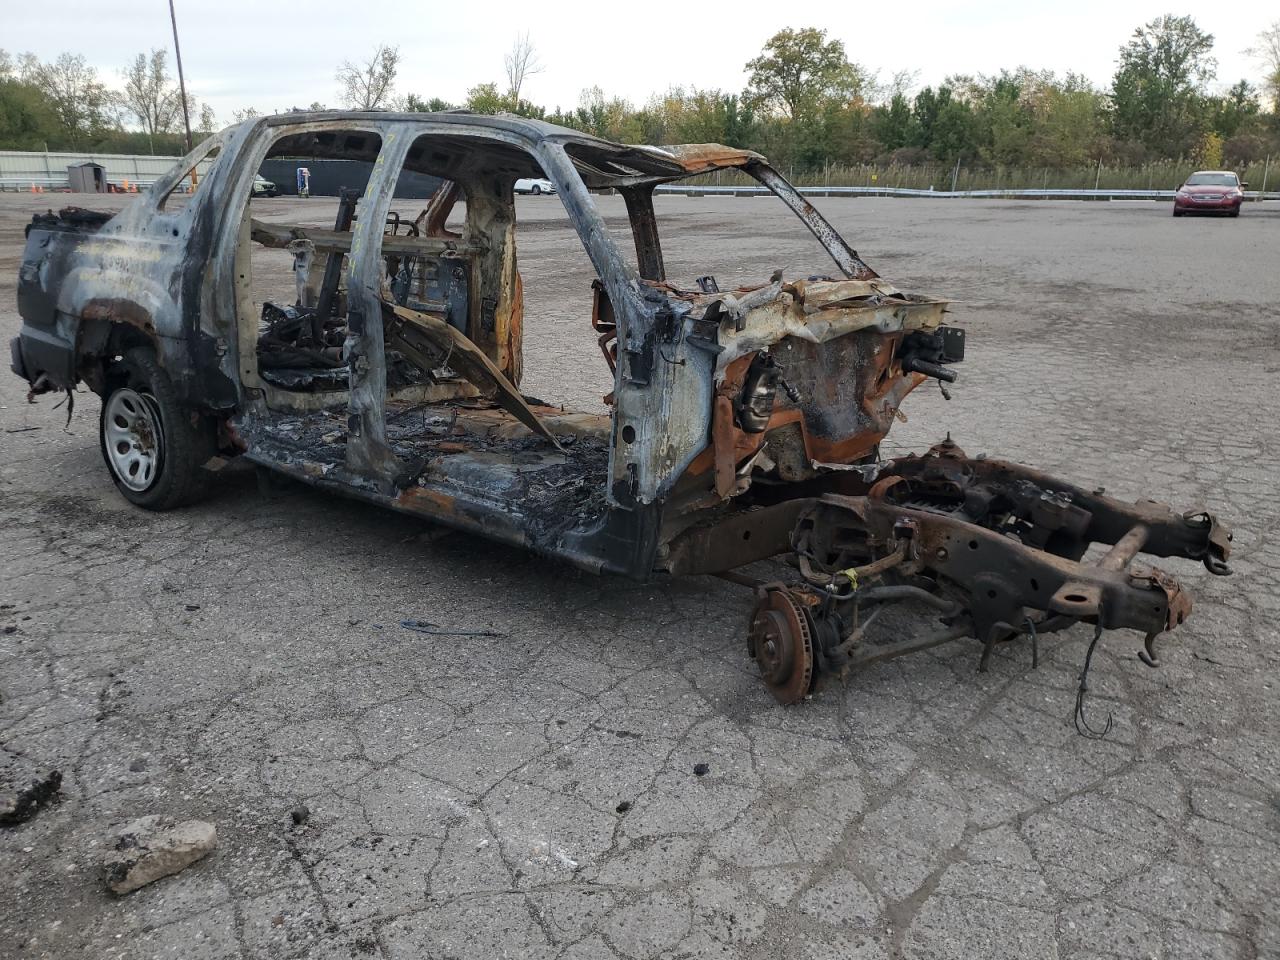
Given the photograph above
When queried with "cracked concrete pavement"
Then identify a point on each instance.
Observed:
(534, 795)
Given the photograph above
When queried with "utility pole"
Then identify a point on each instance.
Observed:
(182, 86)
(182, 83)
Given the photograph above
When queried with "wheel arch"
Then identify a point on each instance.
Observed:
(109, 328)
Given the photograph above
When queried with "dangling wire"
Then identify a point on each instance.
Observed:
(1035, 643)
(70, 401)
(1082, 724)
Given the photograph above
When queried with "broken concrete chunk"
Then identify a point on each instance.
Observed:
(153, 847)
(24, 788)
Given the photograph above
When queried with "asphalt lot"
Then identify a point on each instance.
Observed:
(534, 795)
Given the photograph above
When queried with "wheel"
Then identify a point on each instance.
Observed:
(536, 190)
(1177, 212)
(1235, 212)
(154, 447)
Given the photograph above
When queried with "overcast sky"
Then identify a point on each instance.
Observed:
(273, 56)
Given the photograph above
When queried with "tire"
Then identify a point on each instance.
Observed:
(1177, 212)
(536, 191)
(154, 447)
(1235, 212)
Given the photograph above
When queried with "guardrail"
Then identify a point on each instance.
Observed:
(59, 184)
(1028, 194)
(27, 183)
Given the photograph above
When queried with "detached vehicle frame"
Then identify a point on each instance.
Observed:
(744, 424)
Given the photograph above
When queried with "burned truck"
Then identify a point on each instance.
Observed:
(744, 424)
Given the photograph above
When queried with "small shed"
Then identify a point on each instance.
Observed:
(87, 177)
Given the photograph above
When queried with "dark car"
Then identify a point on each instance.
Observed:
(1210, 191)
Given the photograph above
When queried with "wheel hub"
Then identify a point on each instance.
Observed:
(781, 643)
(132, 438)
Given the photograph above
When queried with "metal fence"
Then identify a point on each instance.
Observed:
(48, 171)
(1029, 194)
(20, 170)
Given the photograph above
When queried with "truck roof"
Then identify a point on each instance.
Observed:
(601, 162)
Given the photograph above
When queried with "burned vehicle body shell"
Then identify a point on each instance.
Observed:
(743, 424)
(171, 276)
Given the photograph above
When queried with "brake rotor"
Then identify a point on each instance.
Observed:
(781, 643)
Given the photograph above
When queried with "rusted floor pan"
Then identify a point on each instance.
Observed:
(467, 464)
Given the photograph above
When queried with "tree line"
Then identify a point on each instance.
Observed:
(64, 105)
(806, 105)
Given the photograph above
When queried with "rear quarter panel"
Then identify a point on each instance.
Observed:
(146, 268)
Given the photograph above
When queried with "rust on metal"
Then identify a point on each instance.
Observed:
(706, 157)
(781, 643)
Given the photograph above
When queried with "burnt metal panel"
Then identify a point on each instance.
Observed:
(644, 226)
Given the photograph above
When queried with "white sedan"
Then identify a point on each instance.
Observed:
(534, 185)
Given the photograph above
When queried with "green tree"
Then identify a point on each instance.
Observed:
(1004, 120)
(800, 73)
(942, 124)
(27, 122)
(1234, 110)
(893, 124)
(81, 102)
(954, 130)
(848, 135)
(415, 104)
(692, 116)
(610, 117)
(739, 121)
(485, 98)
(150, 95)
(525, 108)
(1158, 91)
(1070, 122)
